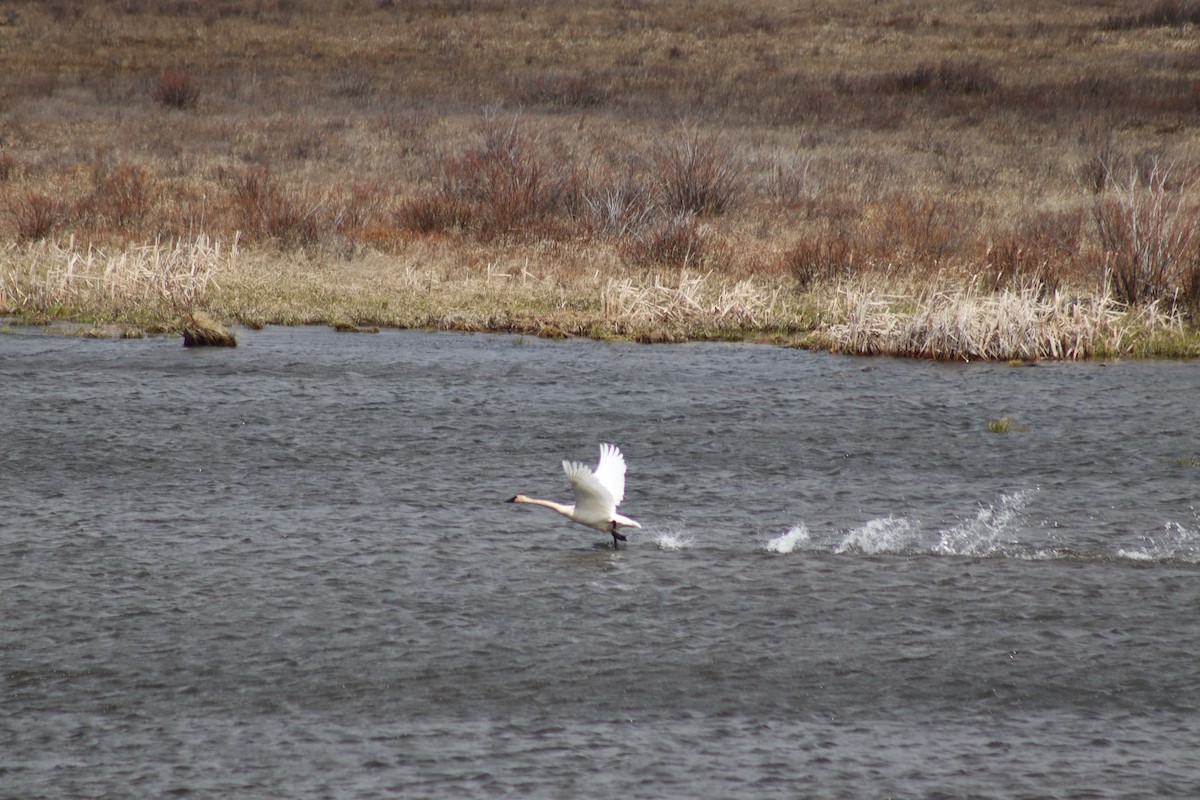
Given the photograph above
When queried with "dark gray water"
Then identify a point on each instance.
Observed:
(286, 570)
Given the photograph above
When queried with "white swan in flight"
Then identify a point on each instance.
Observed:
(597, 494)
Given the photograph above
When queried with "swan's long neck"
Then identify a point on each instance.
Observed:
(565, 510)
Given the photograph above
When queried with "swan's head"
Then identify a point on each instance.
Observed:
(517, 498)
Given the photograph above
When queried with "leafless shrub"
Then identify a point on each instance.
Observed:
(789, 183)
(583, 89)
(620, 207)
(1149, 235)
(37, 215)
(824, 256)
(1036, 251)
(927, 226)
(266, 209)
(353, 83)
(1100, 157)
(434, 211)
(675, 242)
(359, 207)
(122, 198)
(509, 183)
(176, 89)
(699, 174)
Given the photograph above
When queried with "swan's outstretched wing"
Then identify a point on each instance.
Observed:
(593, 502)
(597, 494)
(610, 472)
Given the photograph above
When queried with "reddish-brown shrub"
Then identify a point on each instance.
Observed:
(265, 209)
(824, 256)
(509, 184)
(924, 226)
(359, 207)
(1041, 250)
(122, 198)
(675, 242)
(37, 215)
(699, 174)
(432, 211)
(177, 89)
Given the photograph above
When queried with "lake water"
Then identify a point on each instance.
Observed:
(287, 570)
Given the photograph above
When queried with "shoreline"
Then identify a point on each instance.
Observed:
(149, 289)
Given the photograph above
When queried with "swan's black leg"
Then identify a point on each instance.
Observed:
(616, 536)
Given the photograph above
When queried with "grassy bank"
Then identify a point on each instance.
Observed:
(952, 181)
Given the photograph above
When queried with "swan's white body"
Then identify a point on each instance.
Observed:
(597, 494)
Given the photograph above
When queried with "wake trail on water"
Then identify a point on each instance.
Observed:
(989, 532)
(994, 530)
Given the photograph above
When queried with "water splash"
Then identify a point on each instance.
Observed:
(1177, 542)
(887, 535)
(674, 541)
(987, 532)
(786, 542)
(990, 531)
(994, 530)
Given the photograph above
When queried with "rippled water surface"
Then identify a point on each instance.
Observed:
(286, 570)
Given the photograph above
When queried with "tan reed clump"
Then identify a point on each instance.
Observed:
(1010, 324)
(154, 284)
(690, 299)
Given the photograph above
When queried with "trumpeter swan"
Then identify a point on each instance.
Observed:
(597, 494)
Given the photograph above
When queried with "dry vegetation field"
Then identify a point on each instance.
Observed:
(948, 179)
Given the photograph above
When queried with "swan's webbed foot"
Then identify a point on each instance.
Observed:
(616, 537)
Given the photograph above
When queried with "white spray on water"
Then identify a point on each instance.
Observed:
(786, 542)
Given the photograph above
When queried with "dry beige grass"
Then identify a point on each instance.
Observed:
(967, 324)
(690, 300)
(869, 143)
(153, 283)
